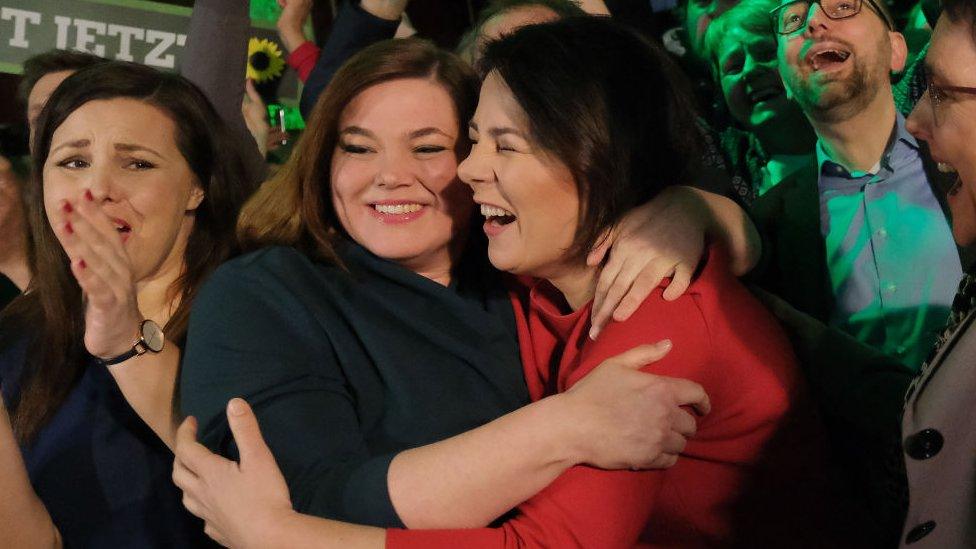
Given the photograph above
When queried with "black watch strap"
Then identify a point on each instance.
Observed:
(121, 358)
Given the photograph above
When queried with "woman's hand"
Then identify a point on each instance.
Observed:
(663, 238)
(241, 503)
(632, 419)
(102, 267)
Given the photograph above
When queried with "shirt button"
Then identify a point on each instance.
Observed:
(919, 532)
(901, 349)
(924, 444)
(891, 287)
(882, 233)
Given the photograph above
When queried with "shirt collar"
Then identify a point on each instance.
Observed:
(899, 134)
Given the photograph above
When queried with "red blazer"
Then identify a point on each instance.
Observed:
(722, 491)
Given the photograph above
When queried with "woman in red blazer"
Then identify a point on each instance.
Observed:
(579, 121)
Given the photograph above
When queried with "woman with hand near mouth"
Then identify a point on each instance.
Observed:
(568, 138)
(771, 138)
(136, 188)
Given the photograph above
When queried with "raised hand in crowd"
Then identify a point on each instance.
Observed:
(291, 23)
(255, 112)
(385, 9)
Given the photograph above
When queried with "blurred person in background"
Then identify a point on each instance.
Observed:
(770, 137)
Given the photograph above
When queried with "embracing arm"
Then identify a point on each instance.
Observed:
(666, 238)
(586, 506)
(618, 419)
(23, 518)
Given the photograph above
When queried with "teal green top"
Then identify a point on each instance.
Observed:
(345, 369)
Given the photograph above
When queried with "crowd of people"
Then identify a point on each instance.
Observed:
(570, 285)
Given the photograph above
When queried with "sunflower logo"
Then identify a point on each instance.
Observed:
(264, 60)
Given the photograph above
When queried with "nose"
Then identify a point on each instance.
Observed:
(754, 67)
(394, 171)
(101, 184)
(474, 169)
(817, 20)
(919, 121)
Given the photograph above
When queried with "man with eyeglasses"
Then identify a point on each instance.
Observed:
(851, 236)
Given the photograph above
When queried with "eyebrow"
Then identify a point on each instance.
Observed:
(497, 132)
(356, 130)
(124, 147)
(428, 131)
(76, 144)
(132, 147)
(422, 132)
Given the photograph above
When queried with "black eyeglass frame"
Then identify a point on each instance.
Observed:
(774, 14)
(937, 93)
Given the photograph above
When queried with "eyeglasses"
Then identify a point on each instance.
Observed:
(937, 96)
(792, 16)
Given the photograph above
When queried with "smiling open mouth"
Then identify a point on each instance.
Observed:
(496, 215)
(828, 58)
(395, 209)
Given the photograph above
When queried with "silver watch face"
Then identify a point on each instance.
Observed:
(152, 336)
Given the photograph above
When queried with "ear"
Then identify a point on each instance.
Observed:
(899, 51)
(195, 198)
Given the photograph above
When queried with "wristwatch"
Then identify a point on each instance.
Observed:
(150, 339)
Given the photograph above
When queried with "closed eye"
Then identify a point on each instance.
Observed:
(354, 149)
(429, 149)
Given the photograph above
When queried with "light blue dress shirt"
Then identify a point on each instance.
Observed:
(893, 264)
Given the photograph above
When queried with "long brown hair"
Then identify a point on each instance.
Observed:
(51, 313)
(294, 207)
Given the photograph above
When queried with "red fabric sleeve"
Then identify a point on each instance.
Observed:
(303, 59)
(585, 506)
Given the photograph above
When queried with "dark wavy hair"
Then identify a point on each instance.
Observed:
(961, 11)
(51, 313)
(608, 104)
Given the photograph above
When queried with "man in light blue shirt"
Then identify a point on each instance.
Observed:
(865, 223)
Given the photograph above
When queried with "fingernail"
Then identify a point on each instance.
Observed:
(68, 228)
(66, 207)
(235, 407)
(82, 264)
(88, 195)
(594, 331)
(664, 344)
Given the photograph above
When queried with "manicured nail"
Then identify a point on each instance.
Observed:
(66, 207)
(68, 228)
(88, 195)
(594, 331)
(236, 407)
(82, 264)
